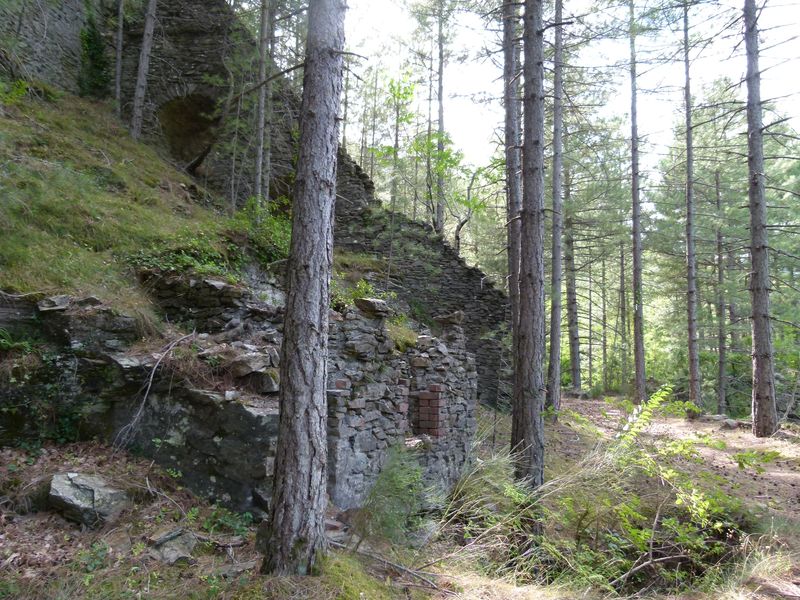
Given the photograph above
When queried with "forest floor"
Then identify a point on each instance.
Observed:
(44, 556)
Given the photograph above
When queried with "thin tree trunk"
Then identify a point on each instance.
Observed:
(428, 140)
(722, 367)
(118, 65)
(529, 389)
(264, 95)
(553, 398)
(144, 68)
(439, 221)
(765, 415)
(374, 126)
(573, 326)
(513, 168)
(732, 265)
(296, 532)
(623, 317)
(590, 338)
(640, 378)
(393, 197)
(695, 389)
(604, 322)
(345, 106)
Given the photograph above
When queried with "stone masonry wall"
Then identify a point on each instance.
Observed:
(212, 410)
(377, 399)
(44, 38)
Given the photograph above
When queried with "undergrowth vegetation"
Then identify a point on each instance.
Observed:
(84, 206)
(625, 518)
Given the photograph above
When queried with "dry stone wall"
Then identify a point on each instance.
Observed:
(43, 38)
(211, 412)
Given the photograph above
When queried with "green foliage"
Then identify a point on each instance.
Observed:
(755, 459)
(94, 558)
(346, 577)
(392, 505)
(94, 76)
(401, 334)
(344, 294)
(13, 93)
(268, 231)
(80, 198)
(225, 521)
(9, 344)
(195, 251)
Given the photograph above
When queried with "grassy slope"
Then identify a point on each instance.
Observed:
(78, 196)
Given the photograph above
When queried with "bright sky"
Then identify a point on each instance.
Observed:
(372, 25)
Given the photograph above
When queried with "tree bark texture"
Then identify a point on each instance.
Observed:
(722, 347)
(140, 92)
(440, 200)
(695, 390)
(553, 398)
(530, 385)
(765, 415)
(264, 109)
(513, 138)
(573, 326)
(640, 378)
(296, 531)
(118, 63)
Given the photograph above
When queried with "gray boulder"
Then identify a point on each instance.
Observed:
(87, 499)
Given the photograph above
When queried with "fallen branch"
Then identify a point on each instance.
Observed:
(378, 558)
(126, 433)
(648, 563)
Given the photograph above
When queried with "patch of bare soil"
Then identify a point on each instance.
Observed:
(43, 555)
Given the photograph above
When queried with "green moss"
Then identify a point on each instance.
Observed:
(345, 576)
(401, 334)
(80, 198)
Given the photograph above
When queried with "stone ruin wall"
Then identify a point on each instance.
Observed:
(222, 438)
(44, 39)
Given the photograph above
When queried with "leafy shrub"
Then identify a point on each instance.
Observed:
(624, 518)
(9, 344)
(344, 294)
(265, 232)
(223, 520)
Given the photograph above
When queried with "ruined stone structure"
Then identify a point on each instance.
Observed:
(44, 39)
(217, 423)
(212, 414)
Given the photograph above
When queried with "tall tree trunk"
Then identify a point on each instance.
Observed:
(573, 326)
(439, 220)
(765, 415)
(345, 105)
(374, 126)
(118, 64)
(513, 139)
(296, 530)
(732, 266)
(144, 68)
(604, 301)
(640, 378)
(722, 359)
(267, 34)
(695, 389)
(553, 398)
(529, 389)
(393, 197)
(624, 377)
(590, 337)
